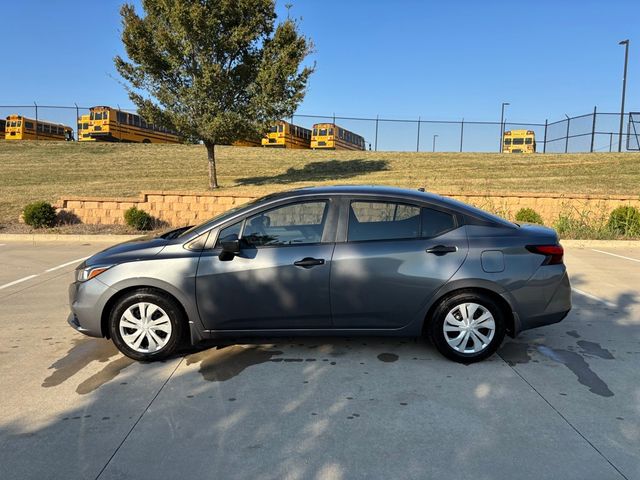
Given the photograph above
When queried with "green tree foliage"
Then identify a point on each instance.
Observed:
(39, 215)
(138, 219)
(214, 70)
(625, 220)
(529, 215)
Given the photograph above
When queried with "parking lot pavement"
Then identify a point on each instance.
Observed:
(559, 402)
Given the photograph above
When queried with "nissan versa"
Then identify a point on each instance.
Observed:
(328, 261)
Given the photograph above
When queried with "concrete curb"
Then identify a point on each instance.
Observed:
(59, 238)
(601, 243)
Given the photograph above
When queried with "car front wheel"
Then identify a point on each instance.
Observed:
(467, 327)
(146, 325)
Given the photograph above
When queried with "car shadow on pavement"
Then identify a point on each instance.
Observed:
(324, 407)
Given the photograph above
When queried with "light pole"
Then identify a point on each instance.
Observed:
(504, 104)
(624, 89)
(434, 142)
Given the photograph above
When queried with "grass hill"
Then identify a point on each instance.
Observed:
(32, 171)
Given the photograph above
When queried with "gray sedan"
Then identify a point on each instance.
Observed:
(328, 261)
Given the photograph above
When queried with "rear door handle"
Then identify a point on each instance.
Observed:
(309, 262)
(442, 249)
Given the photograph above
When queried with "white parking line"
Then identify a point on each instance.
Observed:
(20, 280)
(593, 297)
(77, 260)
(616, 255)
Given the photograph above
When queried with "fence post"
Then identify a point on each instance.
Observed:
(544, 142)
(77, 122)
(376, 140)
(566, 138)
(36, 119)
(610, 141)
(461, 134)
(418, 141)
(593, 129)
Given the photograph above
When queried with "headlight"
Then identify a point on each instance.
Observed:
(87, 273)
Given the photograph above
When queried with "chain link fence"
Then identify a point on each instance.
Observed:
(591, 132)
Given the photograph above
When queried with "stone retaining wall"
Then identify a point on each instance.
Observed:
(187, 208)
(171, 208)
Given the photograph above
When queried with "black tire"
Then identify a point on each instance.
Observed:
(154, 297)
(436, 326)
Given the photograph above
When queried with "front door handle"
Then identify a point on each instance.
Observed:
(442, 249)
(309, 262)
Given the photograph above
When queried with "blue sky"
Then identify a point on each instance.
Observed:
(434, 59)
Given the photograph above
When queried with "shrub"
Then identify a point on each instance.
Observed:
(39, 215)
(529, 215)
(625, 220)
(138, 219)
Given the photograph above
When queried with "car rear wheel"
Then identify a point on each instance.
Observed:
(146, 325)
(467, 327)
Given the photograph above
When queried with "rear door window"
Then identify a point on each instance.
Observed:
(435, 222)
(383, 221)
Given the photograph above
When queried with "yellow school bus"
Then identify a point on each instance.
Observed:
(519, 141)
(331, 136)
(246, 143)
(287, 135)
(83, 129)
(18, 127)
(2, 124)
(108, 124)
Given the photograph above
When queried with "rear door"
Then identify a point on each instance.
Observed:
(395, 257)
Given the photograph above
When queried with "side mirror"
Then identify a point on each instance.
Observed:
(230, 249)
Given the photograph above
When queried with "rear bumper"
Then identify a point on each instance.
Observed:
(545, 300)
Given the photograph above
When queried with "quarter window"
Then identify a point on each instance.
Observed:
(293, 224)
(383, 221)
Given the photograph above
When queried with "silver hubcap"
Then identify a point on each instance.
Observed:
(145, 327)
(469, 328)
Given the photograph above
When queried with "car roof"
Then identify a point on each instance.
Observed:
(365, 190)
(412, 194)
(372, 190)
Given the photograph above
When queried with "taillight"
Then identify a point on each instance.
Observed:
(553, 253)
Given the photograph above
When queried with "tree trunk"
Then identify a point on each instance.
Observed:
(211, 156)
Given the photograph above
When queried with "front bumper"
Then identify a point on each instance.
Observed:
(87, 301)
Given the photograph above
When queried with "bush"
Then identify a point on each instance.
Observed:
(529, 215)
(39, 215)
(138, 219)
(625, 220)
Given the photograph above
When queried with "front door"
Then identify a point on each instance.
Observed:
(395, 259)
(280, 278)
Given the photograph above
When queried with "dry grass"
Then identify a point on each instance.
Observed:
(32, 171)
